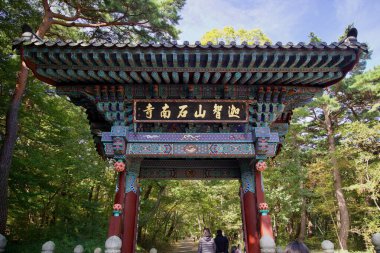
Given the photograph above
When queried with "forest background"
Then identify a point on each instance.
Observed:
(58, 185)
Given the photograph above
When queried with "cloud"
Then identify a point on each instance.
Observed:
(348, 9)
(276, 18)
(285, 20)
(365, 16)
(201, 16)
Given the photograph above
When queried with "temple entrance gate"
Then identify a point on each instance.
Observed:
(170, 111)
(207, 161)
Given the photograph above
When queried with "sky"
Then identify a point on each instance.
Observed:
(286, 20)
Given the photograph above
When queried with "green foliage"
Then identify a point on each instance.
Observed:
(172, 210)
(15, 13)
(61, 190)
(229, 34)
(285, 184)
(130, 20)
(58, 184)
(304, 169)
(314, 38)
(12, 15)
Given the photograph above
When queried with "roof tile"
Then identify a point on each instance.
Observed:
(353, 44)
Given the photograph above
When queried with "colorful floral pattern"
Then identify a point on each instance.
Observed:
(119, 166)
(261, 166)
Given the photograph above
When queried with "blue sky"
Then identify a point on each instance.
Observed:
(286, 20)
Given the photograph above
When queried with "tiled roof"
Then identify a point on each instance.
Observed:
(285, 75)
(348, 43)
(103, 62)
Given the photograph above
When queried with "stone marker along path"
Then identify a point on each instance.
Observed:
(184, 246)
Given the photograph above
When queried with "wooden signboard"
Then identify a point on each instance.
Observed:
(191, 110)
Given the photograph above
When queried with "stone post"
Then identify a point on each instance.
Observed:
(267, 244)
(152, 250)
(376, 242)
(48, 247)
(3, 243)
(327, 246)
(113, 245)
(79, 249)
(98, 250)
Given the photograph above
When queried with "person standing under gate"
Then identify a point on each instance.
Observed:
(206, 243)
(296, 247)
(221, 242)
(238, 249)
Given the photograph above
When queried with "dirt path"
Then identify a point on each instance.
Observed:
(184, 246)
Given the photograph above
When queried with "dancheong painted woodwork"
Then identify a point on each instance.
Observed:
(110, 79)
(182, 111)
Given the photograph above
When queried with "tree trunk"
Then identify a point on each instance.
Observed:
(159, 197)
(7, 149)
(12, 126)
(302, 231)
(97, 191)
(139, 234)
(90, 194)
(199, 224)
(172, 226)
(147, 192)
(343, 210)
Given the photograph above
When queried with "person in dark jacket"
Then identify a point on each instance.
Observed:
(221, 242)
(296, 247)
(206, 243)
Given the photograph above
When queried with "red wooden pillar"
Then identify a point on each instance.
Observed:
(115, 223)
(265, 223)
(249, 208)
(130, 207)
(243, 215)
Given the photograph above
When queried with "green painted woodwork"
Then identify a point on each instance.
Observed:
(143, 65)
(274, 78)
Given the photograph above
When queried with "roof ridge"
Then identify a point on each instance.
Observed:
(27, 40)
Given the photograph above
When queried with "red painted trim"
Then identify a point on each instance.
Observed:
(345, 70)
(136, 220)
(114, 227)
(250, 212)
(33, 67)
(259, 188)
(119, 196)
(266, 226)
(115, 223)
(265, 222)
(129, 223)
(243, 218)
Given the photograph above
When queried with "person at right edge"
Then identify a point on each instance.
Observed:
(221, 242)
